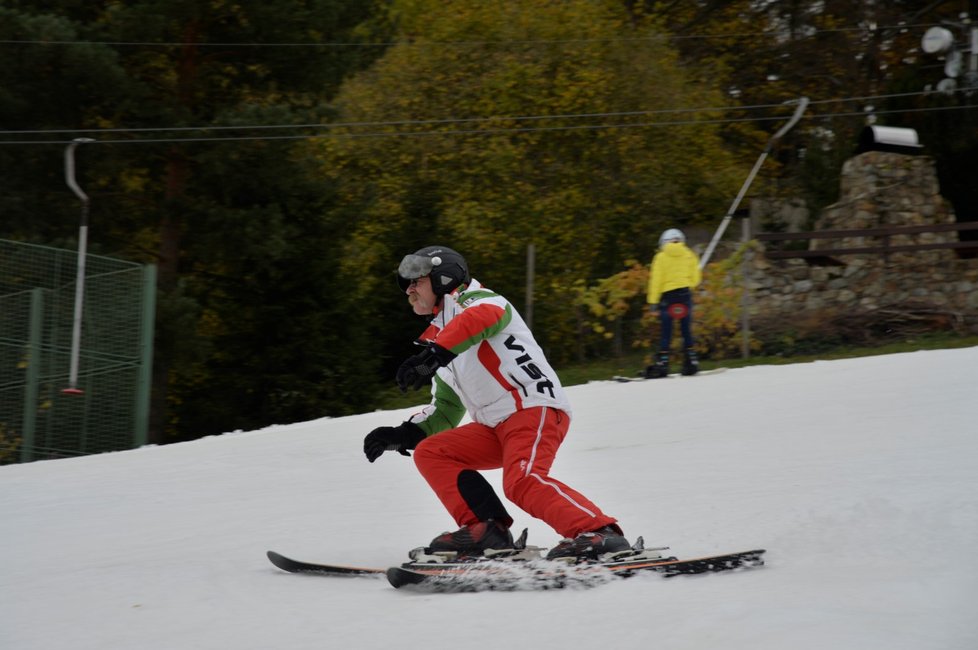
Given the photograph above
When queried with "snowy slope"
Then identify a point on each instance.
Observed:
(860, 477)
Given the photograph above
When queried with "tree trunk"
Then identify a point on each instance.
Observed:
(177, 170)
(175, 186)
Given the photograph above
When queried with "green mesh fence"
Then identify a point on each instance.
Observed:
(38, 420)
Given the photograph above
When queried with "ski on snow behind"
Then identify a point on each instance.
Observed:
(625, 379)
(495, 575)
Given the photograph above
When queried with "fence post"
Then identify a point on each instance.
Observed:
(144, 382)
(745, 296)
(531, 270)
(27, 442)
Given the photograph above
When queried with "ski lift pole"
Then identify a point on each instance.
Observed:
(802, 105)
(72, 388)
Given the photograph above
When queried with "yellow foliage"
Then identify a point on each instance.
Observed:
(716, 316)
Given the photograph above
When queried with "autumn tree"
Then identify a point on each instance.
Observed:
(568, 125)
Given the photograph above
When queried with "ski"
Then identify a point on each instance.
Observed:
(625, 379)
(523, 570)
(295, 566)
(543, 574)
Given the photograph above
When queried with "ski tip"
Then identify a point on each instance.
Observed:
(399, 577)
(280, 561)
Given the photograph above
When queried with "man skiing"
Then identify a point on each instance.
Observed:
(479, 356)
(675, 273)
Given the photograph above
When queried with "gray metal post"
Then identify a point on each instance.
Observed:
(973, 60)
(80, 277)
(802, 104)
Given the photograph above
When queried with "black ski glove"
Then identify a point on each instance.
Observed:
(400, 439)
(418, 370)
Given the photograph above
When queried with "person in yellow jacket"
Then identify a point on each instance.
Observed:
(675, 273)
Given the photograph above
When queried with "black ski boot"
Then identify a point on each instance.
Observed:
(589, 546)
(473, 540)
(691, 362)
(660, 368)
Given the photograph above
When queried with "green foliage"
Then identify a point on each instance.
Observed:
(586, 192)
(251, 323)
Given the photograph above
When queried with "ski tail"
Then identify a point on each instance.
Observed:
(296, 566)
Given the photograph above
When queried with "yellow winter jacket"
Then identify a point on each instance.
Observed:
(675, 266)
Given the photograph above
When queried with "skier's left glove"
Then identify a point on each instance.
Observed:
(400, 439)
(418, 370)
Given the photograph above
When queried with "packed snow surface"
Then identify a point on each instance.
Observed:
(859, 476)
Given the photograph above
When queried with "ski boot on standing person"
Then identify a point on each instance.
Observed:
(660, 368)
(591, 545)
(691, 362)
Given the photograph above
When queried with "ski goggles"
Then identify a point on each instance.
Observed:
(413, 267)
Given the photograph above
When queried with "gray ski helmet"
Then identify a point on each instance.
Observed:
(447, 268)
(673, 234)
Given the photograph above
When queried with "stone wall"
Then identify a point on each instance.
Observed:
(877, 189)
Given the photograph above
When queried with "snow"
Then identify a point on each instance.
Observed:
(859, 476)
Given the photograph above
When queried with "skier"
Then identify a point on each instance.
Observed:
(675, 273)
(479, 356)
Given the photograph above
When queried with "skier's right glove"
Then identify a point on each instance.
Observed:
(400, 439)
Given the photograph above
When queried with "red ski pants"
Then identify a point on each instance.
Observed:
(524, 446)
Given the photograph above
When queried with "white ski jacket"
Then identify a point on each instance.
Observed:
(499, 369)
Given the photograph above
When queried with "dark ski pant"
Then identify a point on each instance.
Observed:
(524, 446)
(676, 297)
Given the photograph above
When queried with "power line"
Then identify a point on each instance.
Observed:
(486, 131)
(471, 120)
(424, 43)
(432, 122)
(406, 134)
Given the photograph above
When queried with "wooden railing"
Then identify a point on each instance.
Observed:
(883, 234)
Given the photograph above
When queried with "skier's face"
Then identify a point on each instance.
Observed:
(421, 296)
